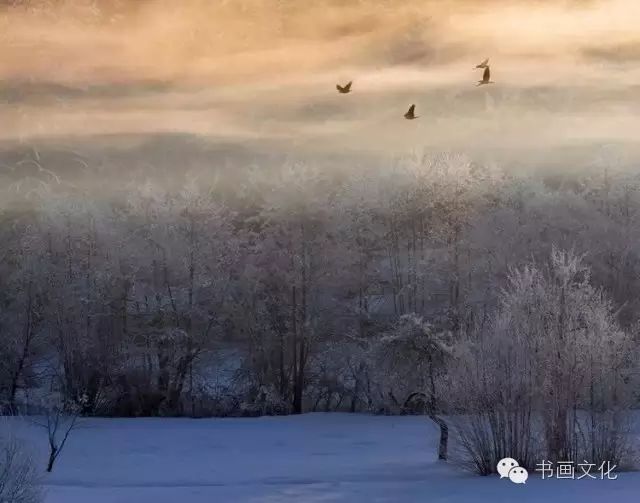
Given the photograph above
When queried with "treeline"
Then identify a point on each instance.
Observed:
(413, 288)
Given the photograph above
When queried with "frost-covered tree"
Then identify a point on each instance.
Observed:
(19, 480)
(549, 372)
(411, 358)
(290, 278)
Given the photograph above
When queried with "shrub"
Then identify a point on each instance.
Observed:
(19, 481)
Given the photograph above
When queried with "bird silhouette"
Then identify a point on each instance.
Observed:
(484, 64)
(344, 89)
(486, 77)
(410, 115)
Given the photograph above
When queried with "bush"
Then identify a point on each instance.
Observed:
(19, 482)
(549, 376)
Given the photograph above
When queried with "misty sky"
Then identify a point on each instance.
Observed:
(263, 72)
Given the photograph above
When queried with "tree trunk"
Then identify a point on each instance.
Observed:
(52, 459)
(444, 437)
(27, 334)
(443, 444)
(297, 392)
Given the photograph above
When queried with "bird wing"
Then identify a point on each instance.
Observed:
(487, 74)
(412, 109)
(338, 87)
(348, 86)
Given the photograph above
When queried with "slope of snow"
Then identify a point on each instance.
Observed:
(310, 458)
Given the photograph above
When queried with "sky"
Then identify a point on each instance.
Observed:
(263, 73)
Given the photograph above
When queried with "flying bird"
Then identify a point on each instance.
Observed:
(344, 89)
(410, 115)
(484, 64)
(486, 77)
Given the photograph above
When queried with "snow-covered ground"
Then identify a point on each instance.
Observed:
(310, 458)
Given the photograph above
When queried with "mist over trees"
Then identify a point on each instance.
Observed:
(438, 285)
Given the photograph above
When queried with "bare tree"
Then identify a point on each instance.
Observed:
(60, 419)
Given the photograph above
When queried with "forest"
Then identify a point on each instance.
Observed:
(436, 285)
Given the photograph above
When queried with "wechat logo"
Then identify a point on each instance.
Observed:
(511, 469)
